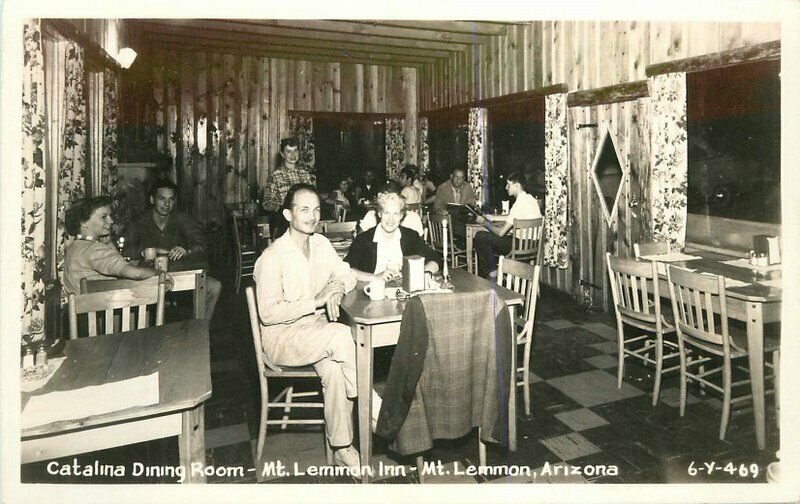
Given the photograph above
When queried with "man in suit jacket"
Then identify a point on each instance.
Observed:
(455, 190)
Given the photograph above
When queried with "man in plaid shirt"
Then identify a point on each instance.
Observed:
(281, 179)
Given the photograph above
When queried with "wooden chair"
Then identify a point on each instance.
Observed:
(340, 212)
(650, 248)
(458, 256)
(528, 243)
(637, 303)
(340, 227)
(701, 319)
(115, 308)
(244, 242)
(523, 279)
(267, 370)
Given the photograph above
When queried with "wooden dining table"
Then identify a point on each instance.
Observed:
(377, 324)
(756, 304)
(178, 352)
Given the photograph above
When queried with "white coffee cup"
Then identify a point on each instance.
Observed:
(376, 290)
(149, 253)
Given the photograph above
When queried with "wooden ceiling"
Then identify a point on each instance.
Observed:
(384, 42)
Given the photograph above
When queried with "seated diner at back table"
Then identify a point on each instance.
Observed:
(496, 240)
(173, 233)
(91, 254)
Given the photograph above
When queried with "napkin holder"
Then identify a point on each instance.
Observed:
(769, 246)
(413, 273)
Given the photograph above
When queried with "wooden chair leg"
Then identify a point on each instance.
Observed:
(526, 376)
(481, 450)
(726, 398)
(776, 368)
(621, 354)
(288, 408)
(659, 367)
(683, 382)
(420, 474)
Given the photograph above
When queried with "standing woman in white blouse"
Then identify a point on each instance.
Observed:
(497, 239)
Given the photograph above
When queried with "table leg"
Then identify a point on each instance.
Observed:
(512, 396)
(363, 338)
(200, 296)
(755, 347)
(469, 233)
(192, 444)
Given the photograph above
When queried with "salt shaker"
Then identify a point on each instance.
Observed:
(27, 358)
(41, 356)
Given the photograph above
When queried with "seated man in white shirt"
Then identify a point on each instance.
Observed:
(412, 220)
(408, 179)
(497, 239)
(299, 279)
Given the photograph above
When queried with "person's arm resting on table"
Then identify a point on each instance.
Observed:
(109, 262)
(496, 228)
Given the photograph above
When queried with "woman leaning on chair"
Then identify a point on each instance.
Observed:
(379, 251)
(91, 254)
(497, 239)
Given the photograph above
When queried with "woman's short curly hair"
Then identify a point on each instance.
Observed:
(389, 196)
(81, 210)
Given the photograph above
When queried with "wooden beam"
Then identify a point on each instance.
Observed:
(344, 115)
(159, 45)
(211, 34)
(357, 29)
(507, 99)
(469, 27)
(609, 94)
(757, 52)
(329, 36)
(93, 52)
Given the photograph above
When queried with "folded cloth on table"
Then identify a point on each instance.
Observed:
(450, 372)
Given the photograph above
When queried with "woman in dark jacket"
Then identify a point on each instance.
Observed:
(379, 251)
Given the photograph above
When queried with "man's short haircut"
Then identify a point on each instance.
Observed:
(290, 142)
(458, 168)
(519, 178)
(390, 186)
(410, 172)
(288, 202)
(81, 210)
(162, 184)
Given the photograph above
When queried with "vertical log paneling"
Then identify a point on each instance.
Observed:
(200, 128)
(186, 175)
(263, 140)
(229, 128)
(215, 166)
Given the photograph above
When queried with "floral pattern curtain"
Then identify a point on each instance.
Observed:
(476, 153)
(72, 168)
(669, 158)
(109, 181)
(33, 176)
(423, 149)
(302, 128)
(395, 147)
(556, 171)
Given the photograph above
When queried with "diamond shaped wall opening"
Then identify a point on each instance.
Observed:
(608, 174)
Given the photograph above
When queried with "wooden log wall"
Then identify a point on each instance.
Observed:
(586, 55)
(241, 105)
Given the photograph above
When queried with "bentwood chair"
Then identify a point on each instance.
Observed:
(523, 279)
(458, 256)
(340, 211)
(637, 304)
(266, 371)
(701, 318)
(112, 311)
(650, 248)
(246, 250)
(528, 240)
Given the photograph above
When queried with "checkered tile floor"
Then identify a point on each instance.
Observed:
(583, 429)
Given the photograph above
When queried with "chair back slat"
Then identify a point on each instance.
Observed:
(650, 248)
(697, 301)
(114, 308)
(634, 303)
(527, 235)
(436, 230)
(340, 227)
